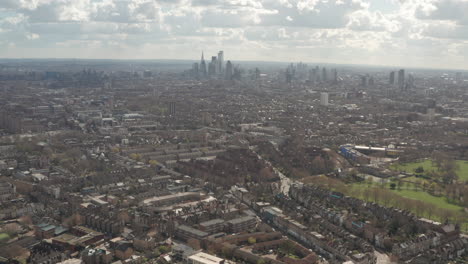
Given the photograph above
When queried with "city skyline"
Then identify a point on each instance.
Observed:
(413, 34)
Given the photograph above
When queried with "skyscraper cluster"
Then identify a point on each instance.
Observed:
(215, 68)
(302, 72)
(398, 78)
(324, 76)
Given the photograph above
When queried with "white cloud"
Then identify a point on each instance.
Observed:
(413, 32)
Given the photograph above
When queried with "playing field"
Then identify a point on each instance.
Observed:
(427, 164)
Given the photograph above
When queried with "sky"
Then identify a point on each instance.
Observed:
(411, 33)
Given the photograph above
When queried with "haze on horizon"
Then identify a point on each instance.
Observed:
(411, 33)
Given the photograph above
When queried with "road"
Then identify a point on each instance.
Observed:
(284, 180)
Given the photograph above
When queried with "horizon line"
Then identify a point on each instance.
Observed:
(248, 61)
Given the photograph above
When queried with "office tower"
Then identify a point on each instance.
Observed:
(202, 68)
(212, 66)
(371, 81)
(392, 78)
(324, 74)
(401, 79)
(335, 76)
(220, 62)
(324, 99)
(229, 72)
(195, 69)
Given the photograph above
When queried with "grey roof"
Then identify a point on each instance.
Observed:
(212, 222)
(192, 230)
(241, 220)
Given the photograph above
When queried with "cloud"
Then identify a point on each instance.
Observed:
(311, 13)
(351, 31)
(455, 10)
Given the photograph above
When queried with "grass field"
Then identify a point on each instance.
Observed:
(4, 237)
(439, 202)
(462, 171)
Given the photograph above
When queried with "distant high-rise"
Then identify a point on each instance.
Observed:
(289, 75)
(229, 70)
(220, 62)
(324, 99)
(202, 68)
(324, 74)
(392, 78)
(212, 66)
(317, 74)
(335, 76)
(410, 82)
(195, 69)
(401, 79)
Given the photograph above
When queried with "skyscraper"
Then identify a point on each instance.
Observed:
(228, 72)
(202, 68)
(195, 69)
(392, 78)
(212, 66)
(335, 76)
(220, 62)
(324, 74)
(401, 79)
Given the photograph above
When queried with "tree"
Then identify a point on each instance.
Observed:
(387, 197)
(369, 181)
(393, 227)
(392, 186)
(376, 194)
(366, 194)
(430, 210)
(399, 183)
(287, 247)
(252, 240)
(135, 156)
(419, 169)
(164, 249)
(261, 261)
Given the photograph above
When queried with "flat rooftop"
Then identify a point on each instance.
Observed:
(205, 258)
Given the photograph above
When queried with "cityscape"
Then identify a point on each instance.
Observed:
(212, 158)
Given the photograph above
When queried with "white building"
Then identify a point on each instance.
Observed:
(203, 258)
(324, 99)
